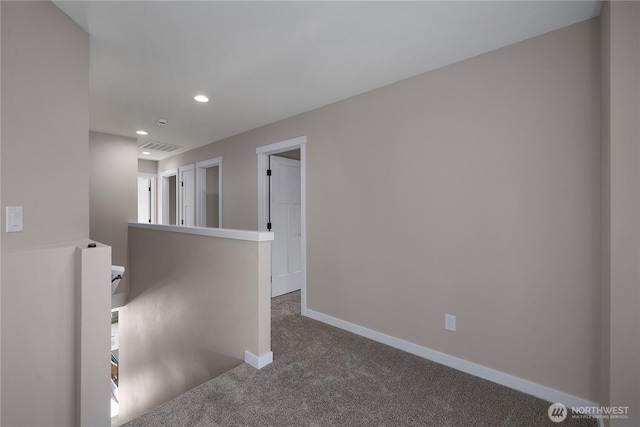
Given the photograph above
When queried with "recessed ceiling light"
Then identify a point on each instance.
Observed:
(201, 98)
(142, 132)
(146, 153)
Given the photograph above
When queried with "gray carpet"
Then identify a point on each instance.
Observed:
(323, 376)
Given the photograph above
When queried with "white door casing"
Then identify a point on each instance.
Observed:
(186, 191)
(286, 259)
(263, 153)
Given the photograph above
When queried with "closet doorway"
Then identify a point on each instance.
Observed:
(209, 193)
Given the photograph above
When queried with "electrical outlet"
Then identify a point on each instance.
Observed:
(450, 322)
(14, 219)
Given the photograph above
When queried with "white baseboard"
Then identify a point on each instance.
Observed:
(525, 386)
(258, 362)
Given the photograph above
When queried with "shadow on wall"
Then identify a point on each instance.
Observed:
(196, 301)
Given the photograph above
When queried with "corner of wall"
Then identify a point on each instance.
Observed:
(605, 237)
(113, 198)
(0, 208)
(93, 306)
(620, 333)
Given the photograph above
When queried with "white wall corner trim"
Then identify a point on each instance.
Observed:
(225, 233)
(258, 362)
(282, 146)
(525, 386)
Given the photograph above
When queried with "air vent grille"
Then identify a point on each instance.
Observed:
(158, 146)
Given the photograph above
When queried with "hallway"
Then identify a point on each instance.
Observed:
(324, 376)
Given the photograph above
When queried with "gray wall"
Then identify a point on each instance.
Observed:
(113, 202)
(196, 304)
(39, 337)
(45, 354)
(293, 154)
(0, 233)
(45, 116)
(605, 229)
(147, 166)
(45, 127)
(620, 363)
(472, 190)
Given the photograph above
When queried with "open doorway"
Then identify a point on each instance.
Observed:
(264, 203)
(284, 219)
(209, 193)
(146, 198)
(168, 196)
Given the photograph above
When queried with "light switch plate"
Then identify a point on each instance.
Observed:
(14, 219)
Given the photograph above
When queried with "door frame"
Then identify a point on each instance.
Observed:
(285, 279)
(201, 193)
(263, 154)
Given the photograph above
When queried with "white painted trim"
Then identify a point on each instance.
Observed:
(303, 201)
(262, 192)
(282, 146)
(263, 153)
(201, 178)
(525, 386)
(154, 192)
(169, 172)
(253, 236)
(164, 195)
(209, 163)
(258, 362)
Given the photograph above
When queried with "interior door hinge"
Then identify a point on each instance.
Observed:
(268, 172)
(182, 221)
(181, 183)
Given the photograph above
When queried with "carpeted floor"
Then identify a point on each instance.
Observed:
(323, 376)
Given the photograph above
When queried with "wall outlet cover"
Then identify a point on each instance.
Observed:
(450, 322)
(14, 219)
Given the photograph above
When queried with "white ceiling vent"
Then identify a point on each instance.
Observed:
(158, 146)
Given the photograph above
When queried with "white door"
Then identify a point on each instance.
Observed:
(144, 200)
(187, 196)
(286, 252)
